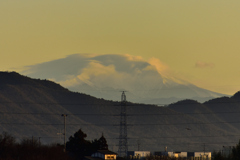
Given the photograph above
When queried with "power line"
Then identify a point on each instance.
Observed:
(150, 90)
(46, 137)
(181, 123)
(183, 137)
(186, 143)
(109, 102)
(138, 124)
(129, 115)
(133, 138)
(59, 103)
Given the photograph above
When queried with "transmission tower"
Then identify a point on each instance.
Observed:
(123, 146)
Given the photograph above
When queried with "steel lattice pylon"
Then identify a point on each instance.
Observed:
(123, 146)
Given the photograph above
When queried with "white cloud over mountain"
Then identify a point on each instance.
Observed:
(201, 64)
(104, 75)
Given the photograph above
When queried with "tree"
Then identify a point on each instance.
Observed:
(78, 145)
(99, 144)
(7, 145)
(218, 156)
(102, 143)
(236, 152)
(30, 142)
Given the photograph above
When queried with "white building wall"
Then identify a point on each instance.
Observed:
(170, 154)
(142, 153)
(183, 154)
(177, 154)
(202, 154)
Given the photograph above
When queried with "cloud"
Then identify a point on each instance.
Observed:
(59, 69)
(201, 64)
(93, 74)
(103, 76)
(133, 58)
(116, 71)
(162, 68)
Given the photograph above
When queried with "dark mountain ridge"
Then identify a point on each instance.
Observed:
(33, 107)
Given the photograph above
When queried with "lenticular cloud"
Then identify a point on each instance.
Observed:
(115, 71)
(103, 76)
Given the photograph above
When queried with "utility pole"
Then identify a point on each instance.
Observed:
(32, 140)
(204, 148)
(123, 146)
(39, 143)
(138, 143)
(64, 115)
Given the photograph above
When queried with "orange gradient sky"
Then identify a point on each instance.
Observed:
(197, 40)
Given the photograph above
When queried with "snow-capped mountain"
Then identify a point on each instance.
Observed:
(104, 76)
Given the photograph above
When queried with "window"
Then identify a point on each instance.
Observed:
(110, 157)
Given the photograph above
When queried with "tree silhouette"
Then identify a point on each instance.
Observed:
(218, 156)
(78, 145)
(7, 145)
(236, 152)
(102, 143)
(99, 144)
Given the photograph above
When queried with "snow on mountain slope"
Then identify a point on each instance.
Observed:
(103, 76)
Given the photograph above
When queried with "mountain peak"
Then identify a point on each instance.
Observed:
(186, 102)
(98, 75)
(11, 78)
(236, 96)
(14, 78)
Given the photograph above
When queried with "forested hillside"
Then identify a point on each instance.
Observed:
(33, 107)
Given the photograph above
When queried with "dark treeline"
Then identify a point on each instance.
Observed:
(234, 154)
(29, 149)
(77, 148)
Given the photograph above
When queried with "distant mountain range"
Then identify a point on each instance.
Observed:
(33, 107)
(160, 95)
(103, 76)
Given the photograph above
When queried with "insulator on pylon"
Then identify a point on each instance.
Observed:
(123, 97)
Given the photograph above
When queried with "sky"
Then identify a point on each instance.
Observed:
(196, 40)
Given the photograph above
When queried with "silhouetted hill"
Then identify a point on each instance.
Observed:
(13, 78)
(236, 96)
(29, 105)
(33, 107)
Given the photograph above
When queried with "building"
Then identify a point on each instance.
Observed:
(102, 155)
(138, 154)
(178, 154)
(192, 155)
(206, 155)
(159, 153)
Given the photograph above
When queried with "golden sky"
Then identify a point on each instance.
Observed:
(197, 40)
